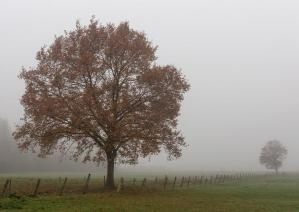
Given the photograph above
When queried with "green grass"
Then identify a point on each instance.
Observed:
(272, 193)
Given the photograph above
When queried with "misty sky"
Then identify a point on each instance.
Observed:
(241, 58)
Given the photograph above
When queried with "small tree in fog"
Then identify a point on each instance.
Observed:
(98, 92)
(272, 155)
(7, 159)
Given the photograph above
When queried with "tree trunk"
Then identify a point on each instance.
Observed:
(276, 170)
(110, 171)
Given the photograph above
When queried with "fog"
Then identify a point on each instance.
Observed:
(240, 57)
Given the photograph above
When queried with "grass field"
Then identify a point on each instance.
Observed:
(267, 193)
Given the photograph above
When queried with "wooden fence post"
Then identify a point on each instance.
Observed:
(174, 181)
(200, 180)
(62, 187)
(104, 180)
(9, 187)
(165, 182)
(120, 184)
(143, 183)
(188, 183)
(156, 180)
(182, 181)
(207, 180)
(36, 187)
(85, 189)
(5, 187)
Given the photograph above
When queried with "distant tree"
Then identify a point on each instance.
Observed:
(5, 137)
(98, 93)
(272, 155)
(7, 159)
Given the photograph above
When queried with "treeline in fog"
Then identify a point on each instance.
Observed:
(12, 160)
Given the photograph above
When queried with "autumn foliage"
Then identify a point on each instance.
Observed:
(98, 94)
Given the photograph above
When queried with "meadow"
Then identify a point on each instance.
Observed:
(257, 193)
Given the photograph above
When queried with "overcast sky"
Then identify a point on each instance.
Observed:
(241, 58)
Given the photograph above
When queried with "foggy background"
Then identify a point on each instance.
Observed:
(240, 57)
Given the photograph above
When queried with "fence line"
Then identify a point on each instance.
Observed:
(68, 185)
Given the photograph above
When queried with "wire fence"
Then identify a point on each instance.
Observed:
(60, 186)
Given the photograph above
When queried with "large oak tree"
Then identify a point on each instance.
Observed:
(98, 93)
